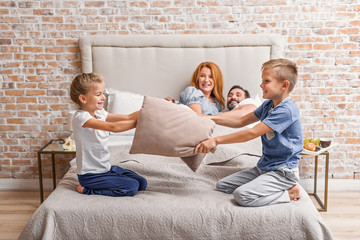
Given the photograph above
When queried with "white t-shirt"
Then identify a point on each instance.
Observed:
(92, 154)
(247, 101)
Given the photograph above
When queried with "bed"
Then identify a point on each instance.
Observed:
(178, 203)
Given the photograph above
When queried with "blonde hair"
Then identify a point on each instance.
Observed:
(218, 80)
(82, 84)
(284, 70)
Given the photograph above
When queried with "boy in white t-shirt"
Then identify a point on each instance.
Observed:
(92, 124)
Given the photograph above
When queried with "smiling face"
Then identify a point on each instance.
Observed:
(94, 99)
(273, 88)
(234, 97)
(206, 81)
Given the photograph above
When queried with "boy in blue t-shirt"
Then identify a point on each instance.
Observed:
(274, 179)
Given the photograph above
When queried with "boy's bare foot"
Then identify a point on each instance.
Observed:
(80, 188)
(294, 193)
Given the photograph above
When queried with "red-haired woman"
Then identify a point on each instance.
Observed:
(205, 93)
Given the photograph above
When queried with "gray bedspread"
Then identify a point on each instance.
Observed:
(178, 204)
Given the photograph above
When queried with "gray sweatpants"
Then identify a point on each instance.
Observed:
(255, 188)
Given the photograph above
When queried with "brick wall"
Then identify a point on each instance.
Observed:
(40, 56)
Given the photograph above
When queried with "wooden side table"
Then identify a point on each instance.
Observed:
(53, 147)
(323, 205)
(323, 151)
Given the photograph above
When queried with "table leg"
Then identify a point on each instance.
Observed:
(53, 169)
(315, 177)
(326, 181)
(323, 205)
(40, 178)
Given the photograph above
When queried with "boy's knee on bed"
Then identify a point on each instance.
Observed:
(244, 197)
(222, 186)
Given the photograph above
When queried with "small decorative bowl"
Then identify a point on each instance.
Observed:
(325, 142)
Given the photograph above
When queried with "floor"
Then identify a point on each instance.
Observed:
(342, 217)
(16, 208)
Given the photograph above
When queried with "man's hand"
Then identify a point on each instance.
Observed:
(205, 146)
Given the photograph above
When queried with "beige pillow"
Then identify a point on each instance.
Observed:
(168, 129)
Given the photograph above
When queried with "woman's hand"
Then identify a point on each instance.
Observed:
(170, 99)
(206, 146)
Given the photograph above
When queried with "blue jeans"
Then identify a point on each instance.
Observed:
(116, 183)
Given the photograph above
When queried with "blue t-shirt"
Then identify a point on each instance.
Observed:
(281, 148)
(192, 95)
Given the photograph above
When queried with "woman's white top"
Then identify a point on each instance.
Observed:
(248, 101)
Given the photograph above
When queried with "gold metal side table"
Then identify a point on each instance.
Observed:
(323, 205)
(53, 147)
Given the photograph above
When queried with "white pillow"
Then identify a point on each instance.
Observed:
(259, 100)
(122, 102)
(255, 101)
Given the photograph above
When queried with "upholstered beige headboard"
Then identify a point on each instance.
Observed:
(161, 65)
